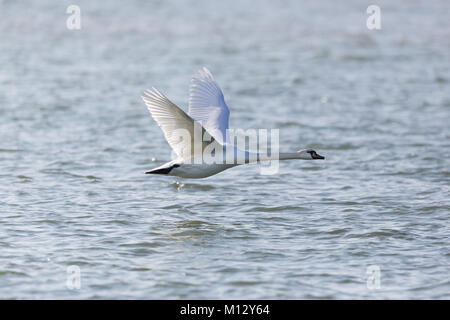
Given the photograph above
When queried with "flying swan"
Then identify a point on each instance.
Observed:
(209, 114)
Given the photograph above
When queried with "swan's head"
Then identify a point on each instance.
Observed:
(309, 154)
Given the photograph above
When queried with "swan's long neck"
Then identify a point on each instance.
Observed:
(242, 157)
(280, 156)
(289, 155)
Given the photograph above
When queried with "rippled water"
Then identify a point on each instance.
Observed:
(75, 139)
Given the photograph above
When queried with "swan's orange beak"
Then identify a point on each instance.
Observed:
(317, 156)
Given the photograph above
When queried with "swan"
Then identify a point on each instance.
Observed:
(209, 113)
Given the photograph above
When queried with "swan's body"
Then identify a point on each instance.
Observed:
(208, 114)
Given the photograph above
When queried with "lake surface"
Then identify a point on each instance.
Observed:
(371, 221)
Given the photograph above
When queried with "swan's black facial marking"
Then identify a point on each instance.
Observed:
(314, 155)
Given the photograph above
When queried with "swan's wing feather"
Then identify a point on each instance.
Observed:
(175, 124)
(207, 105)
(170, 118)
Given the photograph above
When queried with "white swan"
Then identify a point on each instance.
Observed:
(209, 112)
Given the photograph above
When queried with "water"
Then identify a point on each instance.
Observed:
(75, 139)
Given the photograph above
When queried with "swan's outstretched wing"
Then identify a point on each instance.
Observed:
(177, 126)
(207, 105)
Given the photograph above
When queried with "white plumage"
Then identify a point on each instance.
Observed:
(207, 105)
(208, 116)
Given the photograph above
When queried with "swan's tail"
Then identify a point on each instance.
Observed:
(162, 170)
